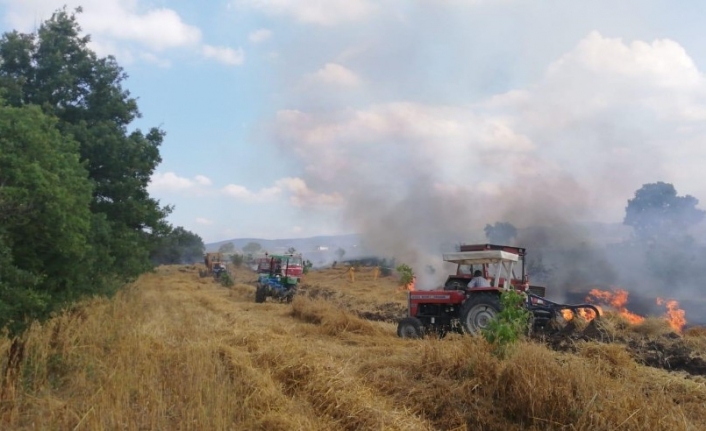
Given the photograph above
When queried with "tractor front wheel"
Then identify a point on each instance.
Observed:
(410, 327)
(260, 294)
(290, 294)
(479, 310)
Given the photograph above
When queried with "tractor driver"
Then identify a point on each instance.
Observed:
(478, 280)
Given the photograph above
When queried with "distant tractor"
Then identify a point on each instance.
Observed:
(215, 265)
(458, 308)
(278, 276)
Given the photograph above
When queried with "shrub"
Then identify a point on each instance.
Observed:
(510, 323)
(237, 259)
(406, 274)
(226, 280)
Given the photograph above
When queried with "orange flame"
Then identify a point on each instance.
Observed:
(589, 314)
(584, 313)
(568, 315)
(674, 315)
(617, 301)
(409, 286)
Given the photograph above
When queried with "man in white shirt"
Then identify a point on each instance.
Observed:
(478, 280)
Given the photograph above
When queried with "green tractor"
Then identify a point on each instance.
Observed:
(278, 276)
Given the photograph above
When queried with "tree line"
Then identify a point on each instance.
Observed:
(76, 218)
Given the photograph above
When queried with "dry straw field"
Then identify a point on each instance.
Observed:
(177, 352)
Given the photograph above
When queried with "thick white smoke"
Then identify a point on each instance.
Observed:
(605, 118)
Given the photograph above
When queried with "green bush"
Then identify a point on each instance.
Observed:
(237, 259)
(226, 280)
(510, 324)
(406, 274)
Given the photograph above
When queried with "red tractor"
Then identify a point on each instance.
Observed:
(464, 271)
(459, 308)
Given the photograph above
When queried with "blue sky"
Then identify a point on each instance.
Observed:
(406, 118)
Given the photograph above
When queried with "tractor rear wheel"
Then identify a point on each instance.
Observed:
(410, 327)
(479, 310)
(260, 294)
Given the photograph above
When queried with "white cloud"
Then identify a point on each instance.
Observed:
(259, 35)
(157, 28)
(203, 180)
(295, 190)
(225, 55)
(243, 193)
(171, 182)
(119, 27)
(320, 12)
(616, 115)
(204, 221)
(605, 72)
(335, 74)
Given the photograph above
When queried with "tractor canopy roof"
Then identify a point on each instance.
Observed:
(478, 247)
(284, 256)
(480, 257)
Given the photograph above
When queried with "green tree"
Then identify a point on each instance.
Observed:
(178, 246)
(252, 248)
(237, 259)
(75, 215)
(657, 212)
(406, 274)
(500, 232)
(228, 247)
(55, 70)
(45, 223)
(509, 325)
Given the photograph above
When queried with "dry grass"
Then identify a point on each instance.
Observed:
(653, 327)
(179, 352)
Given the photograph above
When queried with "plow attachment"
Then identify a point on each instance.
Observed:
(545, 311)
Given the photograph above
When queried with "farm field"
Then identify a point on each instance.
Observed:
(178, 352)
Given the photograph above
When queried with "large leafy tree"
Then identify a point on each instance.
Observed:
(658, 213)
(75, 215)
(45, 218)
(55, 69)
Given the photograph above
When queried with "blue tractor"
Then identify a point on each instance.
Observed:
(278, 277)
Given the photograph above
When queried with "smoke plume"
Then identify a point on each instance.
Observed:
(552, 159)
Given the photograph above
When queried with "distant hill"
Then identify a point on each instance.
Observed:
(318, 249)
(326, 245)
